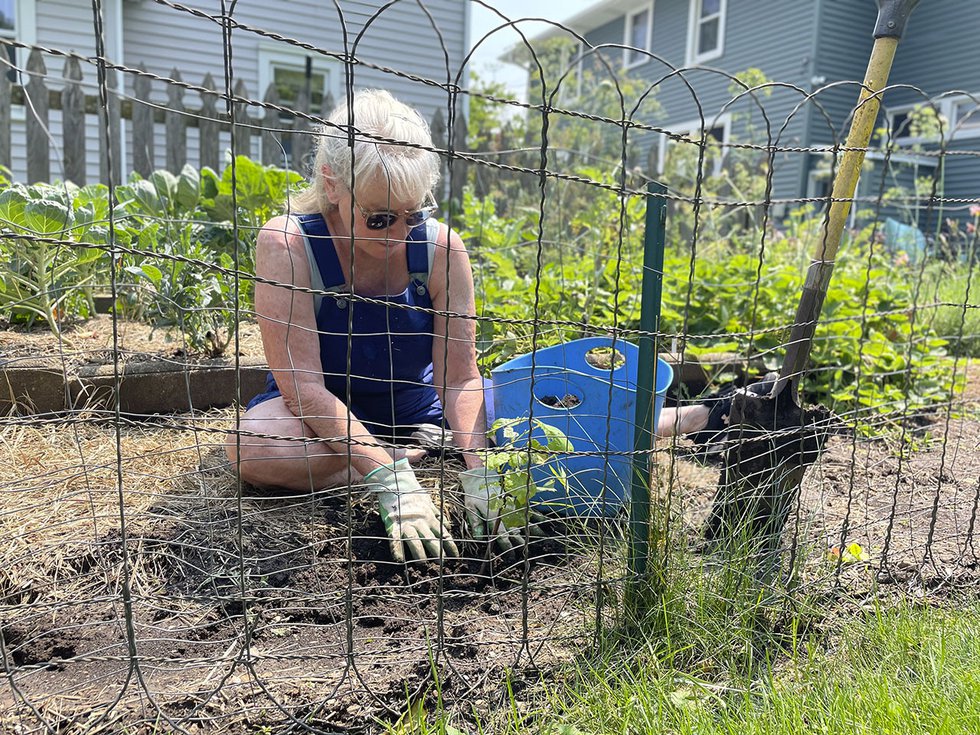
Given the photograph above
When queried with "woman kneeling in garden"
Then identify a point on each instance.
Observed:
(375, 358)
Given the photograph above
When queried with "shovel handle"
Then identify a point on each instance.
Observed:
(892, 17)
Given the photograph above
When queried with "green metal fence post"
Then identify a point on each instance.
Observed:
(654, 239)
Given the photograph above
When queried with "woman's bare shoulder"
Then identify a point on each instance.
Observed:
(448, 242)
(281, 231)
(281, 251)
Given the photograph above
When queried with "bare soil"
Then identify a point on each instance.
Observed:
(96, 340)
(143, 590)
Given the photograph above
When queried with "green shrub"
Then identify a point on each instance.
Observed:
(48, 272)
(57, 250)
(874, 348)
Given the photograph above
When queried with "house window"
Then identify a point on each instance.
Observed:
(17, 23)
(8, 19)
(899, 123)
(949, 118)
(965, 118)
(707, 35)
(291, 82)
(682, 148)
(639, 31)
(293, 70)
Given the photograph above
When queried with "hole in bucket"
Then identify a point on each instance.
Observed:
(566, 401)
(605, 358)
(557, 392)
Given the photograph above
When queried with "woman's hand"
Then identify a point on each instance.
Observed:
(481, 493)
(410, 517)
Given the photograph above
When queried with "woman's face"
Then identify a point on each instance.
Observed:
(384, 218)
(374, 215)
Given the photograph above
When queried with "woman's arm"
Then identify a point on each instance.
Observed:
(292, 348)
(676, 421)
(455, 373)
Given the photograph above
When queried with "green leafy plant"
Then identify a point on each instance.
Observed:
(48, 274)
(197, 301)
(526, 446)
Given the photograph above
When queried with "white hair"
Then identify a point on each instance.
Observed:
(406, 171)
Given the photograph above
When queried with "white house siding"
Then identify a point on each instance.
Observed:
(401, 38)
(67, 26)
(161, 39)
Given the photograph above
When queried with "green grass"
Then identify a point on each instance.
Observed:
(743, 669)
(887, 672)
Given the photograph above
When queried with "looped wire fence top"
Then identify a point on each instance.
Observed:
(143, 584)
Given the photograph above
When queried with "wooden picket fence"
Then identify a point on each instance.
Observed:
(144, 115)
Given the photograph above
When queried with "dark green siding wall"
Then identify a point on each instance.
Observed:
(939, 51)
(939, 54)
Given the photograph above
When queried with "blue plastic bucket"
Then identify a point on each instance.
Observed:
(594, 406)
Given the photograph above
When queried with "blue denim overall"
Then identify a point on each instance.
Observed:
(385, 378)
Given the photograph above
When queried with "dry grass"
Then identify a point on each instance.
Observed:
(73, 485)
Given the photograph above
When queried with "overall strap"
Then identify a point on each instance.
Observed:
(421, 252)
(326, 274)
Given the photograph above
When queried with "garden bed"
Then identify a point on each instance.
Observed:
(44, 373)
(143, 588)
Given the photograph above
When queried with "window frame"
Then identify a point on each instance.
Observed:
(629, 61)
(694, 56)
(271, 55)
(947, 107)
(694, 127)
(25, 31)
(973, 126)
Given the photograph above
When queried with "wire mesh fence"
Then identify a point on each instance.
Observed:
(153, 582)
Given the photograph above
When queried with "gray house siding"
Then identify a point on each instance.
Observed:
(163, 39)
(776, 38)
(935, 52)
(961, 178)
(64, 25)
(819, 48)
(400, 38)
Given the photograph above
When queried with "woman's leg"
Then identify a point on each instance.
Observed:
(292, 463)
(288, 462)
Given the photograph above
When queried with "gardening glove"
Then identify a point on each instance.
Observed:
(433, 437)
(481, 489)
(721, 408)
(410, 517)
